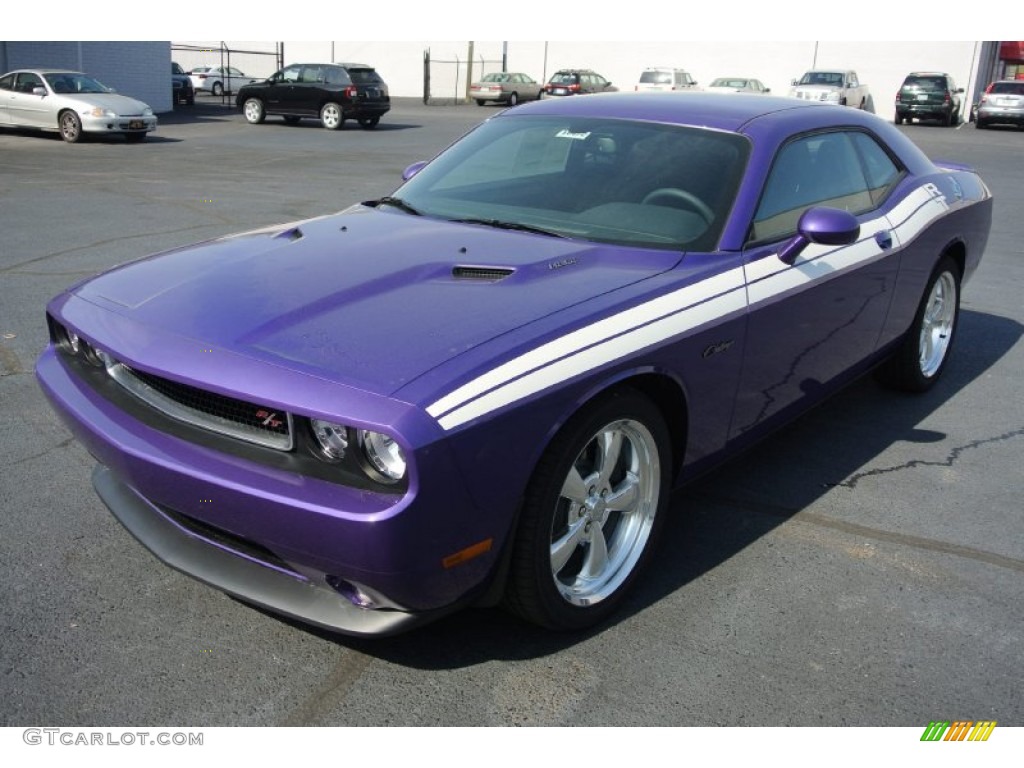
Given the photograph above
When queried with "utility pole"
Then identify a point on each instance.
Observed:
(469, 69)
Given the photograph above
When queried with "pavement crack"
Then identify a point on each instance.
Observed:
(62, 444)
(949, 461)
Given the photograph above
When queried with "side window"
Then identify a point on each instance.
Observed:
(336, 76)
(291, 74)
(312, 74)
(881, 171)
(819, 169)
(7, 83)
(27, 81)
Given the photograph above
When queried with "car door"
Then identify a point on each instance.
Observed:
(813, 320)
(27, 108)
(6, 94)
(280, 94)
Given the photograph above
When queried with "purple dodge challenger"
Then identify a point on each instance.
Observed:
(482, 388)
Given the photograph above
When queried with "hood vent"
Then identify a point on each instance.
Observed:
(290, 234)
(485, 274)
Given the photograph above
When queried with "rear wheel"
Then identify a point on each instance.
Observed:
(331, 116)
(254, 111)
(217, 89)
(591, 514)
(480, 102)
(898, 119)
(921, 357)
(513, 99)
(369, 122)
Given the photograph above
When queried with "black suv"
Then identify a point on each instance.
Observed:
(331, 93)
(573, 82)
(929, 95)
(181, 86)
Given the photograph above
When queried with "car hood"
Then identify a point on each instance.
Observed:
(368, 298)
(122, 105)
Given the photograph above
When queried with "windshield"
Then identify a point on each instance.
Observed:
(73, 82)
(723, 82)
(495, 77)
(822, 78)
(656, 78)
(610, 181)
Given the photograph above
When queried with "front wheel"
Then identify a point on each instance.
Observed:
(331, 116)
(70, 127)
(591, 514)
(254, 111)
(918, 362)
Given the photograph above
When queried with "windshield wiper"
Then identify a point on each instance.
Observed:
(513, 225)
(397, 202)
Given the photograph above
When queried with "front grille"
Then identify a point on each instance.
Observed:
(241, 419)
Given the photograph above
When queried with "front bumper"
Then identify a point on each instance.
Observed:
(134, 124)
(339, 557)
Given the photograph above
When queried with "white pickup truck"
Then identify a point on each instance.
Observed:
(835, 86)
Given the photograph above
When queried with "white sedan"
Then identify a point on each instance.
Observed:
(72, 103)
(217, 80)
(737, 85)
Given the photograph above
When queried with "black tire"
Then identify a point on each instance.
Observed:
(480, 102)
(292, 119)
(217, 89)
(191, 100)
(570, 500)
(898, 119)
(369, 123)
(947, 119)
(921, 357)
(513, 99)
(979, 123)
(254, 111)
(332, 117)
(70, 127)
(135, 138)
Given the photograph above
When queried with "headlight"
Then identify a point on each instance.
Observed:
(832, 96)
(101, 112)
(332, 438)
(147, 112)
(383, 454)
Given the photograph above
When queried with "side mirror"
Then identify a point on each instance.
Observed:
(413, 169)
(39, 91)
(793, 81)
(823, 226)
(767, 90)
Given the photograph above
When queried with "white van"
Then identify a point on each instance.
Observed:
(665, 79)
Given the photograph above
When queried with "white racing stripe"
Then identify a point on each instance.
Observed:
(677, 313)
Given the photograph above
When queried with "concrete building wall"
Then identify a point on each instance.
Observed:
(141, 70)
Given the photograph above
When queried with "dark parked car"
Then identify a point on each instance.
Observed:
(330, 93)
(575, 82)
(484, 386)
(181, 86)
(1002, 102)
(929, 96)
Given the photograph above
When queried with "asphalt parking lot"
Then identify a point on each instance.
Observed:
(865, 566)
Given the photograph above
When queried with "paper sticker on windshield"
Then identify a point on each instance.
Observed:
(565, 133)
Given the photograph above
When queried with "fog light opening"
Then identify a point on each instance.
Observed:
(350, 592)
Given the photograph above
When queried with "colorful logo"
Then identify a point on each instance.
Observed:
(958, 730)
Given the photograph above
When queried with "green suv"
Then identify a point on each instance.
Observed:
(929, 96)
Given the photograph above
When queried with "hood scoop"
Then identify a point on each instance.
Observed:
(481, 274)
(291, 234)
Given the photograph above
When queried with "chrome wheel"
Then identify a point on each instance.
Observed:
(919, 359)
(591, 514)
(937, 324)
(605, 512)
(331, 116)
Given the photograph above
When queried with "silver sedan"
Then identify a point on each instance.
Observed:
(505, 87)
(72, 103)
